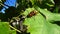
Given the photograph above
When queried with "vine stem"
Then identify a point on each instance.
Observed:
(15, 29)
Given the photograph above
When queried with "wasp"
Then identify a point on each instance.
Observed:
(32, 13)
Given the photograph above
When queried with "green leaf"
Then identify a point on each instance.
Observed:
(52, 1)
(56, 10)
(49, 16)
(4, 28)
(50, 5)
(12, 32)
(33, 1)
(39, 25)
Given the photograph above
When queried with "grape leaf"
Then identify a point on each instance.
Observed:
(39, 25)
(5, 29)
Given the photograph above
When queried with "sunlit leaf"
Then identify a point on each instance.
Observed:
(39, 25)
(33, 1)
(49, 16)
(52, 1)
(5, 29)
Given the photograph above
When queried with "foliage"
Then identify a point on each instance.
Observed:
(5, 29)
(38, 24)
(44, 22)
